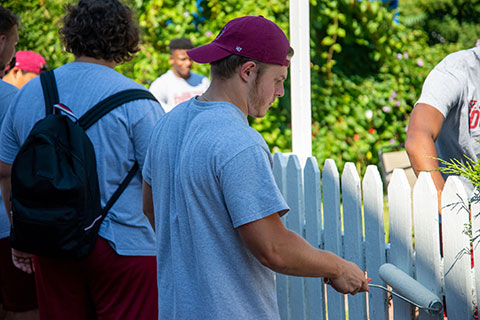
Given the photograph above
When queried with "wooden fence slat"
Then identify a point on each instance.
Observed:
(332, 231)
(428, 266)
(475, 207)
(295, 223)
(374, 240)
(280, 173)
(456, 249)
(353, 234)
(315, 300)
(401, 247)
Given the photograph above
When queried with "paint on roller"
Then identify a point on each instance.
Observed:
(408, 289)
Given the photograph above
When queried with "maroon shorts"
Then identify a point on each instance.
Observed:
(17, 287)
(104, 285)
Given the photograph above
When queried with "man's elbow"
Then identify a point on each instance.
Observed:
(5, 171)
(413, 141)
(410, 145)
(273, 260)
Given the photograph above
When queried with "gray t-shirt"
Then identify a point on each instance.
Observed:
(453, 88)
(210, 173)
(7, 92)
(119, 138)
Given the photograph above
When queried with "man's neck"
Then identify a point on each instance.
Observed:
(110, 64)
(228, 91)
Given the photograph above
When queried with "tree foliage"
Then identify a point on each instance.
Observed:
(367, 70)
(444, 21)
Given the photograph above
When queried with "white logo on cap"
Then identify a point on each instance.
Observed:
(238, 48)
(221, 32)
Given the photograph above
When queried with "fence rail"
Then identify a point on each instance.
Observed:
(413, 244)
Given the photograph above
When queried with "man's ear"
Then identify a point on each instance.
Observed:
(247, 70)
(16, 72)
(3, 39)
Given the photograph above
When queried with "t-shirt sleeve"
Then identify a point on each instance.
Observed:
(249, 188)
(9, 145)
(146, 171)
(143, 125)
(442, 88)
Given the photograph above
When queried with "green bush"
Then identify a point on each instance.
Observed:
(444, 21)
(367, 71)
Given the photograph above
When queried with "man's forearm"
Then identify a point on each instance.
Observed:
(148, 203)
(284, 251)
(297, 257)
(423, 157)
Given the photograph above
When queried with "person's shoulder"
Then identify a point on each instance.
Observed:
(162, 79)
(234, 128)
(5, 86)
(7, 89)
(460, 59)
(166, 76)
(195, 75)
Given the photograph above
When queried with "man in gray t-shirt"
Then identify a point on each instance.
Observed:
(208, 179)
(445, 122)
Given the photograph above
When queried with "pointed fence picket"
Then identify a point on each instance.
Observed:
(320, 201)
(401, 246)
(427, 236)
(375, 253)
(456, 250)
(353, 239)
(332, 229)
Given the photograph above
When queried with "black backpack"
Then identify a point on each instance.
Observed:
(56, 210)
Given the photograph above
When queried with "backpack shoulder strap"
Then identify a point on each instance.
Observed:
(120, 189)
(50, 91)
(97, 112)
(110, 103)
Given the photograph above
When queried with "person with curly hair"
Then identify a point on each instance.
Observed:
(117, 280)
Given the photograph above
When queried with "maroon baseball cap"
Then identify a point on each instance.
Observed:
(29, 61)
(256, 38)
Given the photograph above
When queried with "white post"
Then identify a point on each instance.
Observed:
(300, 80)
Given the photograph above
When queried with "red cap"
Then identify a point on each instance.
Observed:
(256, 38)
(29, 61)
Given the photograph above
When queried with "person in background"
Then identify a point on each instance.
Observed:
(25, 66)
(208, 180)
(117, 280)
(8, 37)
(445, 122)
(17, 288)
(179, 83)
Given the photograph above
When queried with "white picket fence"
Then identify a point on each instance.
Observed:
(414, 244)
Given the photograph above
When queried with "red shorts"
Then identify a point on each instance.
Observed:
(17, 287)
(104, 285)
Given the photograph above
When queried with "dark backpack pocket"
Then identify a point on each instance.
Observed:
(32, 231)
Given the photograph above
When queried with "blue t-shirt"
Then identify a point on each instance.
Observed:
(210, 173)
(7, 92)
(119, 138)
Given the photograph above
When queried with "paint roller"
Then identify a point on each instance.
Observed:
(406, 288)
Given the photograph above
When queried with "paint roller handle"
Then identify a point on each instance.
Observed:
(348, 284)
